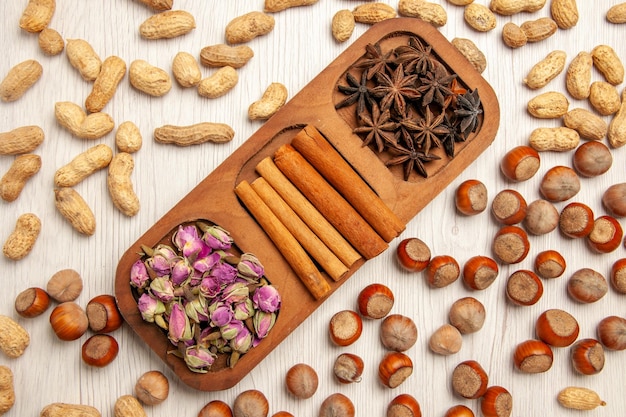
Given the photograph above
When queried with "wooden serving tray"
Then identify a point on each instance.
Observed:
(214, 199)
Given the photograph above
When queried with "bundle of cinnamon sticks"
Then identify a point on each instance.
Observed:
(317, 210)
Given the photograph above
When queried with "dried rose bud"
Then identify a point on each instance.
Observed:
(150, 307)
(179, 326)
(266, 298)
(198, 359)
(139, 275)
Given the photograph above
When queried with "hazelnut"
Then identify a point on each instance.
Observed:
(442, 271)
(533, 356)
(103, 315)
(587, 285)
(459, 411)
(32, 302)
(479, 272)
(511, 245)
(587, 356)
(348, 368)
(576, 220)
(592, 159)
(69, 321)
(559, 183)
(216, 408)
(614, 199)
(446, 340)
(550, 264)
(471, 197)
(618, 275)
(524, 288)
(467, 314)
(152, 388)
(542, 217)
(496, 402)
(520, 163)
(375, 301)
(301, 381)
(398, 332)
(100, 350)
(251, 402)
(557, 328)
(345, 327)
(404, 405)
(469, 380)
(509, 207)
(335, 405)
(612, 332)
(606, 235)
(65, 285)
(413, 254)
(394, 369)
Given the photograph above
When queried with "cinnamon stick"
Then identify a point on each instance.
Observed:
(308, 213)
(329, 202)
(328, 162)
(288, 246)
(303, 234)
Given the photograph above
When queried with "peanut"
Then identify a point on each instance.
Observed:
(21, 241)
(558, 139)
(21, 140)
(22, 169)
(432, 13)
(246, 27)
(513, 36)
(617, 13)
(608, 63)
(158, 5)
(272, 6)
(83, 165)
(7, 393)
(111, 73)
(272, 100)
(14, 339)
(128, 137)
(479, 17)
(186, 70)
(342, 25)
(579, 398)
(578, 76)
(546, 70)
(540, 29)
(550, 105)
(617, 126)
(511, 7)
(167, 25)
(371, 13)
(120, 186)
(149, 79)
(219, 83)
(194, 134)
(75, 210)
(72, 117)
(564, 13)
(69, 410)
(604, 97)
(82, 56)
(37, 15)
(19, 79)
(470, 51)
(587, 124)
(461, 2)
(128, 406)
(51, 42)
(222, 55)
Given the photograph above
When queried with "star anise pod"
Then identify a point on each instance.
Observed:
(411, 159)
(426, 130)
(468, 110)
(358, 92)
(415, 57)
(452, 135)
(395, 90)
(378, 128)
(435, 86)
(375, 61)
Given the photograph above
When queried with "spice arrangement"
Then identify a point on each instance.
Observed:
(208, 298)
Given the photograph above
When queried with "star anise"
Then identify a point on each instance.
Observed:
(376, 61)
(358, 92)
(415, 57)
(452, 135)
(435, 86)
(468, 110)
(378, 128)
(395, 90)
(426, 130)
(411, 159)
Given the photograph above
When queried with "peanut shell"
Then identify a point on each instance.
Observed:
(75, 210)
(194, 134)
(564, 13)
(51, 42)
(69, 410)
(22, 169)
(587, 124)
(540, 29)
(128, 137)
(21, 241)
(149, 79)
(578, 76)
(513, 36)
(579, 398)
(511, 7)
(111, 73)
(21, 140)
(246, 27)
(617, 13)
(219, 83)
(20, 79)
(546, 70)
(604, 97)
(617, 126)
(550, 105)
(479, 17)
(272, 6)
(342, 25)
(168, 24)
(83, 165)
(14, 339)
(222, 55)
(430, 12)
(272, 100)
(83, 57)
(557, 139)
(128, 406)
(370, 13)
(606, 60)
(470, 51)
(120, 185)
(37, 15)
(7, 391)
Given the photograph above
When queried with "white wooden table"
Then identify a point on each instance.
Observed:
(300, 46)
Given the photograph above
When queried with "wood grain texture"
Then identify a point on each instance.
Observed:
(298, 49)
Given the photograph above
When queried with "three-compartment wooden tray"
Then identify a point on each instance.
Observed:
(214, 198)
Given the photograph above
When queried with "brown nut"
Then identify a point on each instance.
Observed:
(549, 264)
(100, 350)
(32, 302)
(471, 197)
(557, 328)
(496, 402)
(576, 220)
(612, 332)
(592, 159)
(375, 301)
(524, 288)
(559, 183)
(398, 332)
(533, 356)
(542, 217)
(394, 369)
(301, 381)
(587, 285)
(606, 235)
(152, 388)
(413, 254)
(511, 245)
(587, 356)
(618, 275)
(587, 124)
(479, 272)
(103, 314)
(446, 340)
(345, 327)
(65, 285)
(614, 199)
(469, 380)
(509, 207)
(404, 405)
(442, 270)
(348, 368)
(467, 314)
(520, 163)
(69, 321)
